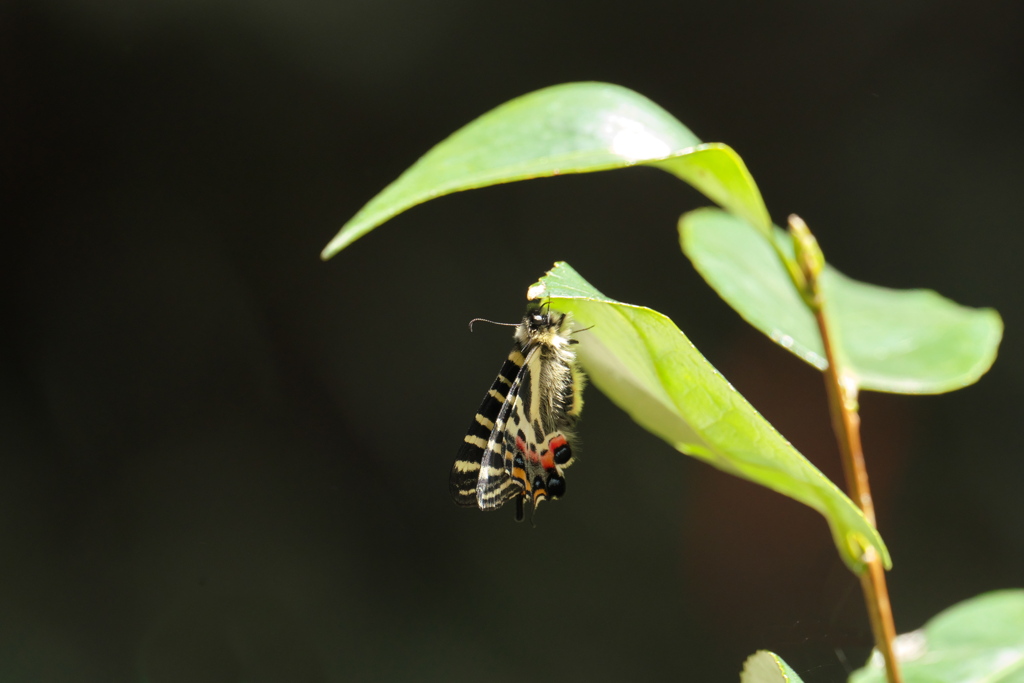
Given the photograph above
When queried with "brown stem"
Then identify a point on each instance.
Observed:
(842, 401)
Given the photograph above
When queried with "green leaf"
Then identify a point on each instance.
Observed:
(719, 172)
(767, 667)
(980, 640)
(569, 128)
(901, 341)
(648, 367)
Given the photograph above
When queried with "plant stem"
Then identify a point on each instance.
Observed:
(842, 401)
(805, 269)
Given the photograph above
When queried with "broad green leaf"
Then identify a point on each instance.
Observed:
(767, 667)
(980, 640)
(910, 341)
(648, 367)
(569, 128)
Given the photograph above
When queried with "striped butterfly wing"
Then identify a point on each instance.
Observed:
(503, 467)
(477, 462)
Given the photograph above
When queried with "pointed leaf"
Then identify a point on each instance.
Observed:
(980, 640)
(767, 667)
(569, 128)
(648, 367)
(900, 341)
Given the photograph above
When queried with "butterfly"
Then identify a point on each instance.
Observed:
(520, 440)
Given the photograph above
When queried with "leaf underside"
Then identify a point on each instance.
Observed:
(647, 366)
(980, 640)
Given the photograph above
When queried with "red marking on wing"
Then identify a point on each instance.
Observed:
(548, 457)
(527, 452)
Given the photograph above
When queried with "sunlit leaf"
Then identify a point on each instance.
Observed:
(767, 667)
(980, 640)
(648, 367)
(902, 341)
(569, 128)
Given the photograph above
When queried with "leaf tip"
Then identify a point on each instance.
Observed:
(767, 667)
(332, 248)
(864, 550)
(345, 237)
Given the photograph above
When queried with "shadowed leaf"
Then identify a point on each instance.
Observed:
(648, 367)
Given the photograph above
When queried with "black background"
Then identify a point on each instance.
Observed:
(224, 460)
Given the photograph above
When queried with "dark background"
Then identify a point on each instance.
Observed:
(223, 460)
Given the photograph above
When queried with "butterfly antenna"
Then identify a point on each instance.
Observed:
(485, 320)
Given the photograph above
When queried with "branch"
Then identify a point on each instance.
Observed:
(842, 401)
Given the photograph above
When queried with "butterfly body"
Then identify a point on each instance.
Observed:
(520, 440)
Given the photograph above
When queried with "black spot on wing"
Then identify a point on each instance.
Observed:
(563, 454)
(555, 486)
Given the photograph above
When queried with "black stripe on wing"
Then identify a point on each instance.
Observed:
(498, 480)
(466, 471)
